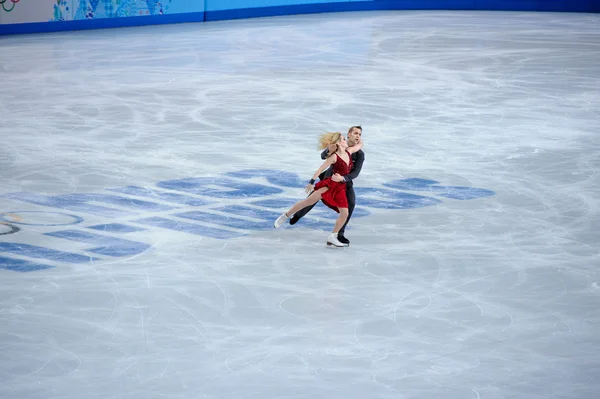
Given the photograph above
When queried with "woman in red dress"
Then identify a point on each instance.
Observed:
(333, 193)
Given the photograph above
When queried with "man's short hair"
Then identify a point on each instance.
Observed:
(356, 127)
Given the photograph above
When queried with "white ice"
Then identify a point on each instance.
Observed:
(491, 297)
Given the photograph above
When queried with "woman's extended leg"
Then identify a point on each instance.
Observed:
(310, 200)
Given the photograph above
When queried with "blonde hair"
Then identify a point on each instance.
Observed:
(328, 138)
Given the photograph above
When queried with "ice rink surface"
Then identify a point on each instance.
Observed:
(141, 170)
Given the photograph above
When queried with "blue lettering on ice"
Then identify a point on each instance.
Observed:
(66, 202)
(228, 221)
(389, 199)
(411, 184)
(107, 245)
(232, 206)
(276, 177)
(19, 265)
(219, 187)
(189, 228)
(454, 192)
(121, 201)
(162, 196)
(33, 251)
(116, 228)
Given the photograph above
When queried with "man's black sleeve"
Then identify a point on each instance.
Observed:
(360, 158)
(325, 153)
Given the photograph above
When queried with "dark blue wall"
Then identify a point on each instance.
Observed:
(470, 5)
(213, 10)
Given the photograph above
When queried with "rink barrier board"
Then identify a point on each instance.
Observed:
(212, 13)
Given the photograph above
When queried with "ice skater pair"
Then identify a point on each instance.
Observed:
(332, 190)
